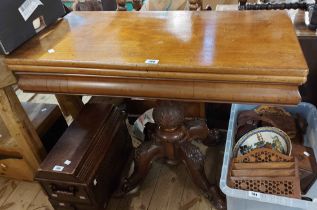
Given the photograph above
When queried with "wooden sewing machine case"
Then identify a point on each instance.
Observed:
(86, 164)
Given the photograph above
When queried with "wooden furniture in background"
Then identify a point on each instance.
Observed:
(193, 5)
(197, 56)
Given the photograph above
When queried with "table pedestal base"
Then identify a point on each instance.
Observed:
(170, 138)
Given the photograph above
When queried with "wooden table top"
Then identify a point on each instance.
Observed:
(254, 51)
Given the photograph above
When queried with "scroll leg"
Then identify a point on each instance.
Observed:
(143, 157)
(198, 130)
(194, 161)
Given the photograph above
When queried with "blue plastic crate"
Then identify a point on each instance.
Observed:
(245, 200)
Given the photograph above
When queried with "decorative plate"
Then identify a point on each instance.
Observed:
(263, 137)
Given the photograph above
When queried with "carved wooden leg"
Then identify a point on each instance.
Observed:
(144, 155)
(198, 130)
(170, 138)
(194, 161)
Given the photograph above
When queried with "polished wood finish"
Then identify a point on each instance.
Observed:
(308, 41)
(164, 89)
(129, 51)
(97, 145)
(213, 63)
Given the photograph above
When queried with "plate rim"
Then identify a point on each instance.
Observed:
(274, 129)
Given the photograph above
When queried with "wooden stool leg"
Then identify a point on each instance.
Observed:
(144, 155)
(194, 161)
(20, 128)
(70, 104)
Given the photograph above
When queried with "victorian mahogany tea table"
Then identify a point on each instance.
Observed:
(247, 57)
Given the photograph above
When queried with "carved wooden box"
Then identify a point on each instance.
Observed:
(266, 171)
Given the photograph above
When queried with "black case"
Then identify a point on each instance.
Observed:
(109, 5)
(14, 30)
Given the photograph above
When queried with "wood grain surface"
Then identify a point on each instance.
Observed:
(162, 89)
(20, 128)
(182, 41)
(6, 76)
(203, 56)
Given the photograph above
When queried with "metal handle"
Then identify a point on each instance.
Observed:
(69, 191)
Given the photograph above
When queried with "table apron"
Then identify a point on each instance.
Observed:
(162, 89)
